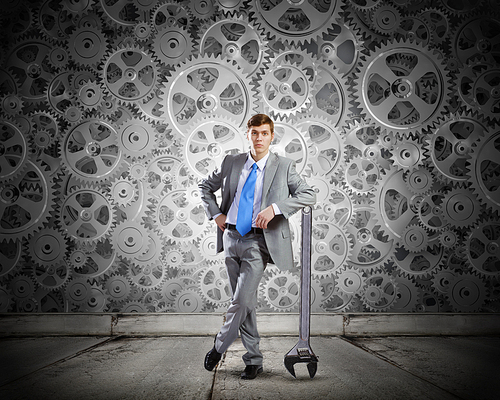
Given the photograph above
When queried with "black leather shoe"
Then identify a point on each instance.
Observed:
(211, 359)
(251, 371)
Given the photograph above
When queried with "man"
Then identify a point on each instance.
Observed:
(260, 191)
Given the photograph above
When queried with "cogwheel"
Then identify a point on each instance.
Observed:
(52, 277)
(130, 73)
(155, 302)
(439, 23)
(117, 287)
(419, 181)
(476, 38)
(408, 154)
(361, 175)
(292, 142)
(208, 246)
(207, 86)
(208, 141)
(147, 278)
(414, 238)
(461, 208)
(96, 302)
(87, 47)
(93, 259)
(90, 96)
(321, 185)
(12, 104)
(154, 252)
(451, 144)
(78, 291)
(27, 202)
(27, 63)
(361, 139)
(231, 7)
(349, 280)
(10, 256)
(5, 299)
(77, 7)
(22, 287)
(380, 292)
(130, 239)
(420, 264)
(484, 170)
(237, 40)
(486, 94)
(340, 206)
(164, 173)
(178, 218)
(461, 8)
(342, 47)
(214, 284)
(406, 103)
(441, 279)
(281, 291)
(385, 19)
(430, 211)
(87, 214)
(340, 302)
(371, 248)
(61, 93)
(295, 22)
(134, 307)
(90, 151)
(171, 13)
(188, 301)
(47, 247)
(326, 145)
(409, 297)
(466, 293)
(331, 247)
(172, 45)
(392, 204)
(124, 191)
(415, 28)
(482, 248)
(143, 31)
(13, 149)
(121, 14)
(136, 138)
(449, 238)
(203, 10)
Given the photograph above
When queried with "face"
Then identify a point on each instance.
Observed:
(260, 138)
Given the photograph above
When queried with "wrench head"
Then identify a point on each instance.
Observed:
(312, 364)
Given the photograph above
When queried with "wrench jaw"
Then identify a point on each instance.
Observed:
(301, 355)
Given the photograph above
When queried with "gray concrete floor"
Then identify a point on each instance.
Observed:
(172, 368)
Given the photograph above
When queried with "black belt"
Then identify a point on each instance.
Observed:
(232, 227)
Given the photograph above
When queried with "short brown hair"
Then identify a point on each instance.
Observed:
(260, 119)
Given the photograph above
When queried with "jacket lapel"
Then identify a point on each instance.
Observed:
(271, 168)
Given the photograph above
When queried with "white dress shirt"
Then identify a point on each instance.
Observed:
(232, 214)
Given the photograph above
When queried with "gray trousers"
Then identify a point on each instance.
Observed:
(246, 259)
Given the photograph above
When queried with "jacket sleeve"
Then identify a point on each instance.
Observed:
(208, 187)
(301, 194)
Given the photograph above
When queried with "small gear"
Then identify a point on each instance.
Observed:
(90, 96)
(52, 277)
(415, 238)
(214, 284)
(78, 291)
(409, 297)
(172, 45)
(461, 208)
(361, 175)
(420, 181)
(349, 280)
(482, 248)
(48, 247)
(146, 278)
(466, 293)
(380, 292)
(12, 104)
(188, 301)
(441, 279)
(385, 19)
(87, 47)
(136, 138)
(118, 287)
(430, 211)
(130, 239)
(408, 154)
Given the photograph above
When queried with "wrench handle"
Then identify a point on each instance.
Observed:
(305, 277)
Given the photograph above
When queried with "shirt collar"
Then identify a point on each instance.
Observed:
(260, 164)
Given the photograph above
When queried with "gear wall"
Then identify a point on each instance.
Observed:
(113, 110)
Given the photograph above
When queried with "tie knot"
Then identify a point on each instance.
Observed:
(254, 166)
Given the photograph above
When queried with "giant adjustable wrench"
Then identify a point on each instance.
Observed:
(302, 352)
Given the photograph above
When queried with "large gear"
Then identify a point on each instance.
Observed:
(13, 150)
(208, 141)
(207, 86)
(482, 248)
(237, 40)
(130, 73)
(295, 21)
(90, 151)
(484, 170)
(408, 101)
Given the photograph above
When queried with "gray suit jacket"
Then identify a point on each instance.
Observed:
(282, 185)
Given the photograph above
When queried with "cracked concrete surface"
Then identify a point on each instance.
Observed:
(172, 368)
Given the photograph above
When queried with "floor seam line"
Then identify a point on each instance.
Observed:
(77, 354)
(387, 360)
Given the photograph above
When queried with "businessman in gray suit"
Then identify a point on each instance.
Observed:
(253, 229)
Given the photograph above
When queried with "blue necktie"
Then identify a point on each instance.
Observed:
(245, 206)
